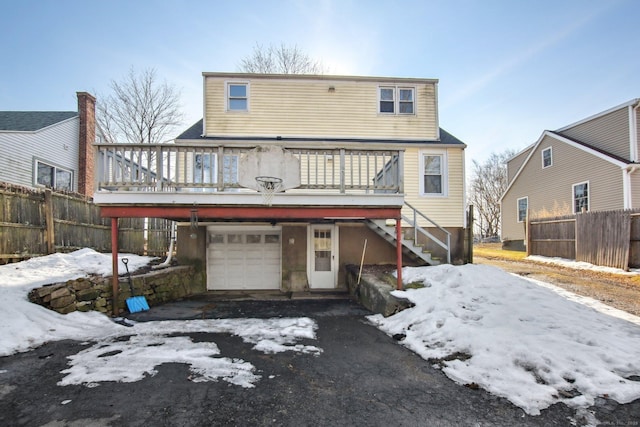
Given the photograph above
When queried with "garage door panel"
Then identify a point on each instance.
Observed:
(247, 259)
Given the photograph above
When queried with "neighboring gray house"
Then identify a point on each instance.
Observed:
(590, 165)
(50, 148)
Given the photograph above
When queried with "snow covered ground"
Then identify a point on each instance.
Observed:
(114, 357)
(526, 341)
(534, 345)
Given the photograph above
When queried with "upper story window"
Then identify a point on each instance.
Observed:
(237, 96)
(396, 100)
(547, 158)
(433, 166)
(523, 205)
(53, 176)
(581, 197)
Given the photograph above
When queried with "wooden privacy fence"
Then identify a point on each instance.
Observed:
(606, 238)
(41, 222)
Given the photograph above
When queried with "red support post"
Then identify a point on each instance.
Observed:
(399, 252)
(114, 264)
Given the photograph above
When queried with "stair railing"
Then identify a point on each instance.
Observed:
(413, 221)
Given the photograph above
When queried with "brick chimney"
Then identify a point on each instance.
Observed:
(86, 162)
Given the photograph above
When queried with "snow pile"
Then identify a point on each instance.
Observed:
(130, 353)
(24, 325)
(515, 339)
(580, 265)
(125, 358)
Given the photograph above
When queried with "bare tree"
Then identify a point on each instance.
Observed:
(488, 184)
(140, 109)
(281, 59)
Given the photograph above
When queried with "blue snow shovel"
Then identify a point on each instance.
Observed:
(134, 304)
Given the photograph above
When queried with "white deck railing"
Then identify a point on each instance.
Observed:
(184, 168)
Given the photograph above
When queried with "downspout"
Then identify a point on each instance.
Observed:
(633, 132)
(167, 262)
(628, 195)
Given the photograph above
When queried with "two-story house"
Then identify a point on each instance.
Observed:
(590, 165)
(288, 178)
(52, 149)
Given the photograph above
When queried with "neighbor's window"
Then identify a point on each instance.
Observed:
(397, 100)
(547, 159)
(237, 97)
(523, 205)
(54, 177)
(581, 197)
(433, 174)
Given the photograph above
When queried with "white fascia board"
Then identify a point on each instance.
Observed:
(245, 199)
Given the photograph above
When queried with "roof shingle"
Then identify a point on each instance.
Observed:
(30, 121)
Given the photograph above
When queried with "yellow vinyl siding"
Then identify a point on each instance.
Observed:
(308, 108)
(551, 189)
(448, 210)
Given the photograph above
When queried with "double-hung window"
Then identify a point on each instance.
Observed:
(547, 158)
(54, 176)
(581, 197)
(396, 100)
(433, 171)
(237, 97)
(523, 205)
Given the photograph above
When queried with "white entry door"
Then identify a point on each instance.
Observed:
(243, 257)
(323, 256)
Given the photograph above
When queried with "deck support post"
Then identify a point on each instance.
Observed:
(114, 265)
(399, 252)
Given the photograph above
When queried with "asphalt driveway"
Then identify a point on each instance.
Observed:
(362, 377)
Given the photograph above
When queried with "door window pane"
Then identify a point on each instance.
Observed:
(322, 250)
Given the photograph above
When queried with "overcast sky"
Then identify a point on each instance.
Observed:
(508, 69)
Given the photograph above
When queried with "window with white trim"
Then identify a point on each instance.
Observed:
(547, 158)
(433, 174)
(396, 100)
(581, 197)
(523, 206)
(237, 97)
(53, 176)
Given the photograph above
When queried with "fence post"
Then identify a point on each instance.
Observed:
(470, 235)
(49, 232)
(527, 233)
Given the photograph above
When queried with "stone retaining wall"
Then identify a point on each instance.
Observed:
(95, 293)
(373, 292)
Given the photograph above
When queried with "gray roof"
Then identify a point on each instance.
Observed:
(195, 132)
(29, 121)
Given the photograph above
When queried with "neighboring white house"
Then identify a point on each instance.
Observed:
(49, 148)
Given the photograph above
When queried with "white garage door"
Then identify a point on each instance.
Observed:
(245, 257)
